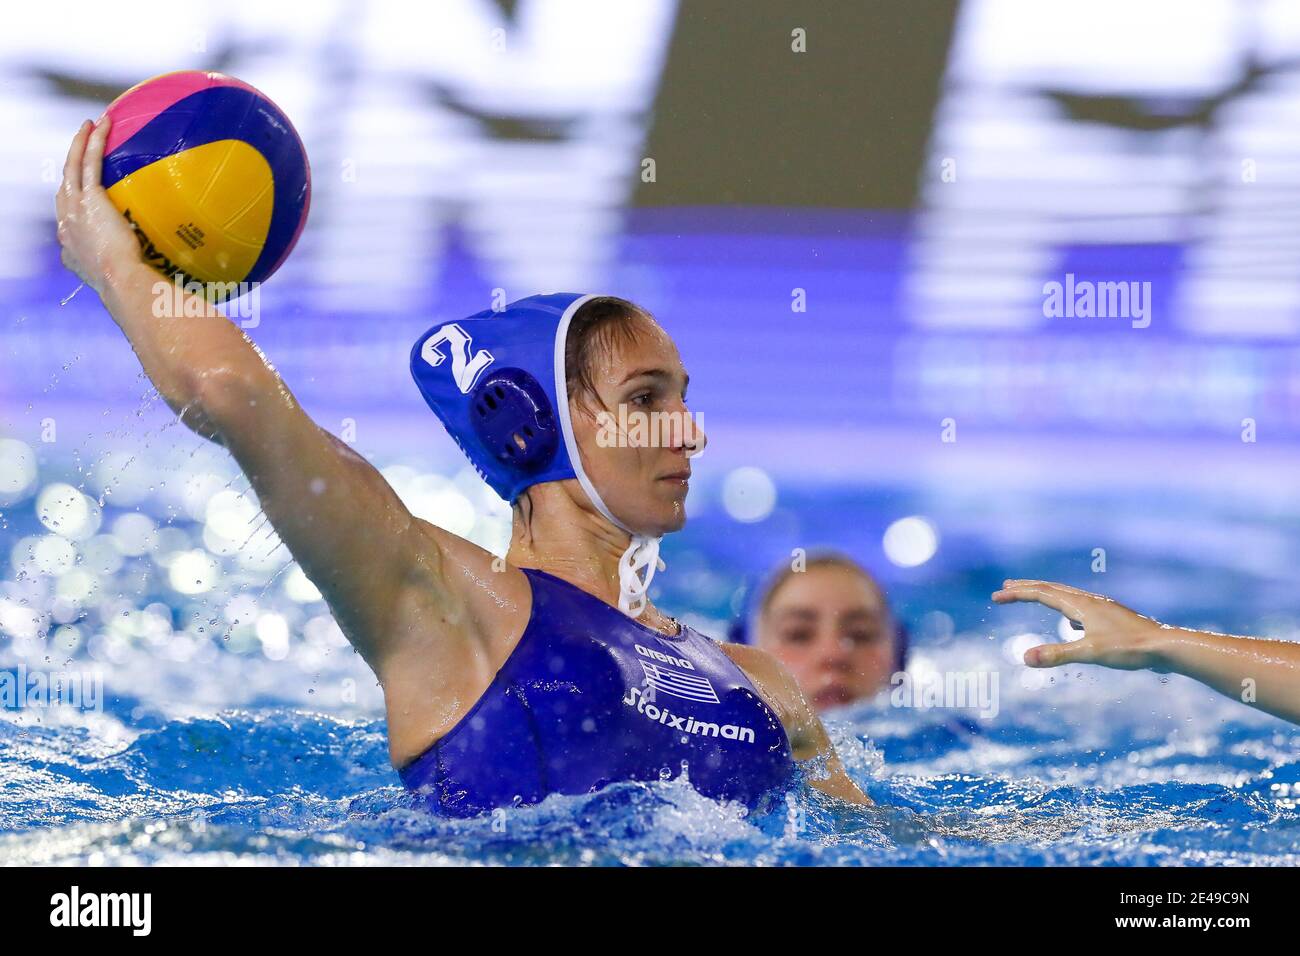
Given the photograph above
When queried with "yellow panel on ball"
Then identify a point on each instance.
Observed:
(222, 189)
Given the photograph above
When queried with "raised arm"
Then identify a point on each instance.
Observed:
(1256, 671)
(337, 515)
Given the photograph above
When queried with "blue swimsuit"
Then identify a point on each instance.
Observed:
(590, 697)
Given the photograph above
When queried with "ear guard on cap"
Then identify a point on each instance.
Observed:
(512, 417)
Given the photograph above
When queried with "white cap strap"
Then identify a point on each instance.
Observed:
(636, 569)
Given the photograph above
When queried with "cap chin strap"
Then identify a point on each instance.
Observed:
(636, 569)
(640, 561)
(637, 566)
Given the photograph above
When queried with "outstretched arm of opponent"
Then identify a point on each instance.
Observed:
(337, 515)
(1260, 672)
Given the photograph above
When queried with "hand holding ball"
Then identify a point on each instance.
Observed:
(211, 175)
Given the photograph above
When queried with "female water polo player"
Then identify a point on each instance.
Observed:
(1262, 673)
(830, 624)
(504, 681)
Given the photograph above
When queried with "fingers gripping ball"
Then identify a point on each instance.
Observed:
(211, 175)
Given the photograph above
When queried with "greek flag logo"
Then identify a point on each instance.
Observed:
(676, 683)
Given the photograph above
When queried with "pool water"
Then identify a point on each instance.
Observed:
(235, 724)
(1082, 768)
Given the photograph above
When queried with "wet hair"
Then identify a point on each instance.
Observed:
(600, 326)
(813, 561)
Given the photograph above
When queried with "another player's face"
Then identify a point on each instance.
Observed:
(830, 627)
(637, 437)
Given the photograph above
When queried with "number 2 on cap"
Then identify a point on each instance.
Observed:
(463, 369)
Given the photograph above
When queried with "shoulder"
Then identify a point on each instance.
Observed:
(751, 659)
(774, 684)
(461, 613)
(761, 667)
(808, 738)
(457, 599)
(472, 573)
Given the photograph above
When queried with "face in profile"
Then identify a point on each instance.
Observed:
(643, 471)
(832, 629)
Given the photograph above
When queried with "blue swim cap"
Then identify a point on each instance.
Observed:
(497, 382)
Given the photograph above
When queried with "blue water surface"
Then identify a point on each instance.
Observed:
(1084, 769)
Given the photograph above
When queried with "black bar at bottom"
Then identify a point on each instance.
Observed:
(262, 906)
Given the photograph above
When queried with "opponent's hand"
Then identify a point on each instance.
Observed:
(96, 239)
(1113, 635)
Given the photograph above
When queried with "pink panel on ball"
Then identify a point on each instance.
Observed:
(138, 105)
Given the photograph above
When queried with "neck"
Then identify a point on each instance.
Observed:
(559, 537)
(573, 542)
